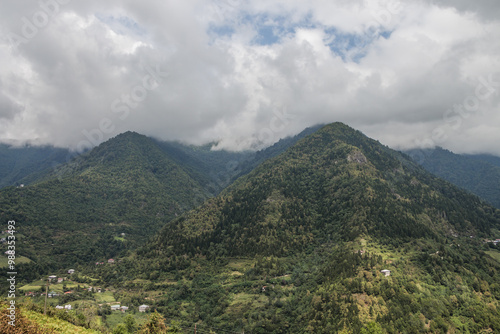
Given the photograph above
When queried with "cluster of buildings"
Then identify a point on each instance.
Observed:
(142, 308)
(494, 242)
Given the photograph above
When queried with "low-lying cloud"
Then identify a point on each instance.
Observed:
(246, 73)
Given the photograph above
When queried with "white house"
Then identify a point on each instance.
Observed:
(71, 271)
(67, 307)
(143, 308)
(115, 307)
(59, 307)
(386, 272)
(52, 277)
(124, 308)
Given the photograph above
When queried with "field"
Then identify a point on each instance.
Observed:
(494, 254)
(21, 259)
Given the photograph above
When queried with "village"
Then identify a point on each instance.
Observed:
(66, 292)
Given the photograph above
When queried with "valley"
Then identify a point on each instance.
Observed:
(329, 232)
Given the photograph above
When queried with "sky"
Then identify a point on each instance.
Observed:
(243, 74)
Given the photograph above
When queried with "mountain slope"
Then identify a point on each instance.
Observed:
(25, 165)
(477, 174)
(334, 184)
(126, 185)
(298, 245)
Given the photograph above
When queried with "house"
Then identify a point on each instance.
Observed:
(111, 261)
(67, 307)
(124, 308)
(59, 307)
(115, 307)
(143, 308)
(386, 272)
(52, 278)
(52, 294)
(71, 271)
(60, 280)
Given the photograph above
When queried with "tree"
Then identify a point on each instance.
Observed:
(154, 325)
(120, 329)
(130, 323)
(372, 328)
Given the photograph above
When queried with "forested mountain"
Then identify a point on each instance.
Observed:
(336, 184)
(494, 160)
(297, 245)
(78, 213)
(216, 169)
(24, 165)
(307, 234)
(479, 174)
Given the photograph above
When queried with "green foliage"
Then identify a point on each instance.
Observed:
(299, 243)
(25, 165)
(130, 323)
(478, 174)
(126, 185)
(154, 325)
(372, 328)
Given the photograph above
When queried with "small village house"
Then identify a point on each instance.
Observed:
(386, 272)
(143, 308)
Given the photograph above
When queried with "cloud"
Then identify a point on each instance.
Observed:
(245, 73)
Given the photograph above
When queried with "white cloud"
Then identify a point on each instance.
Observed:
(388, 68)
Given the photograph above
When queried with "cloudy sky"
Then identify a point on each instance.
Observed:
(243, 73)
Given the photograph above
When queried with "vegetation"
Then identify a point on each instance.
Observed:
(479, 174)
(25, 165)
(300, 244)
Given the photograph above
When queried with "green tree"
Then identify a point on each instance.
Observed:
(130, 323)
(120, 329)
(154, 325)
(372, 328)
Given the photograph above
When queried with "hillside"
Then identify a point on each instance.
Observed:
(336, 184)
(479, 174)
(298, 245)
(25, 165)
(101, 203)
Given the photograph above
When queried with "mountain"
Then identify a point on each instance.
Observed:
(101, 203)
(25, 165)
(217, 169)
(494, 160)
(479, 174)
(214, 169)
(336, 183)
(336, 234)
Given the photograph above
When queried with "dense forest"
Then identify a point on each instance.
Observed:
(479, 174)
(334, 234)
